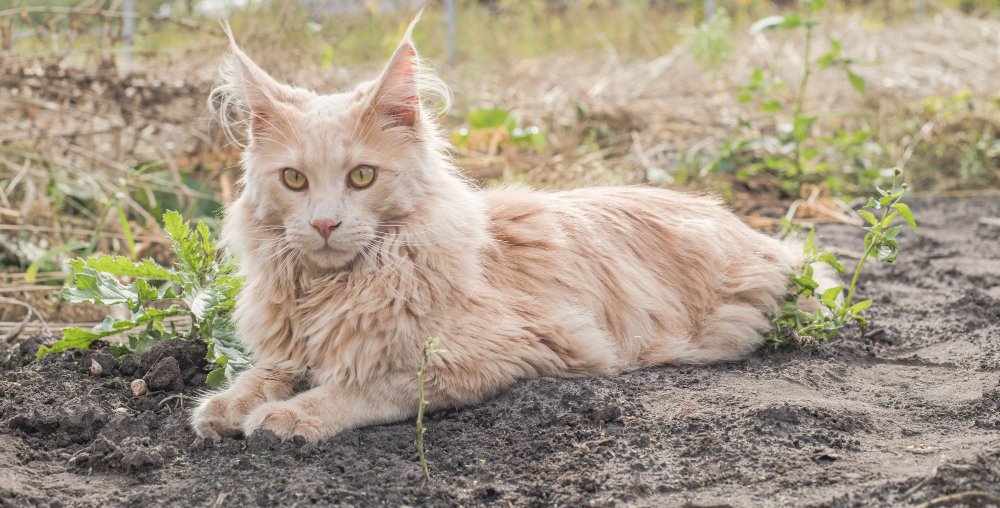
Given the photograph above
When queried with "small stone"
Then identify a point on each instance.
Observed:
(128, 365)
(165, 375)
(139, 387)
(98, 363)
(607, 414)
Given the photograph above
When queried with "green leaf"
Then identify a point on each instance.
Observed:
(326, 61)
(210, 301)
(122, 266)
(92, 286)
(127, 230)
(216, 378)
(831, 57)
(829, 297)
(174, 225)
(887, 220)
(491, 118)
(904, 210)
(870, 217)
(531, 136)
(887, 251)
(78, 338)
(856, 81)
(860, 306)
(892, 232)
(806, 282)
(790, 21)
(861, 322)
(873, 204)
(770, 106)
(809, 248)
(830, 259)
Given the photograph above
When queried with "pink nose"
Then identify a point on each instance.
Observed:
(324, 226)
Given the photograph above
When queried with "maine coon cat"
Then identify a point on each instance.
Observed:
(359, 241)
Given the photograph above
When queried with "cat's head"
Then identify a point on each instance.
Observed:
(326, 175)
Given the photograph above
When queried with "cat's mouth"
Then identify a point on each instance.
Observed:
(337, 255)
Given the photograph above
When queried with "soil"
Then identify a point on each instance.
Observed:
(906, 415)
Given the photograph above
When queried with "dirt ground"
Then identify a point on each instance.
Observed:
(903, 417)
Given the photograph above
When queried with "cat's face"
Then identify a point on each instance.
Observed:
(327, 174)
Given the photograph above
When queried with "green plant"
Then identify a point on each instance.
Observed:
(710, 44)
(836, 309)
(201, 286)
(431, 348)
(492, 128)
(787, 145)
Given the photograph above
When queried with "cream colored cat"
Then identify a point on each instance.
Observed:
(359, 241)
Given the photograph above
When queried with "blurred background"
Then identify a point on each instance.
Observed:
(790, 110)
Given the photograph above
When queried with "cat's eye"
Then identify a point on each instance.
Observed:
(293, 179)
(361, 177)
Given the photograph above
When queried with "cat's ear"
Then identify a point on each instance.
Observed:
(396, 101)
(260, 94)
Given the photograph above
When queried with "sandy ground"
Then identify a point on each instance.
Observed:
(903, 417)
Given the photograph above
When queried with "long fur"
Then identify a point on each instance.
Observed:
(516, 283)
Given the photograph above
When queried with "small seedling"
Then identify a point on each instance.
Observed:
(430, 348)
(782, 138)
(836, 309)
(202, 286)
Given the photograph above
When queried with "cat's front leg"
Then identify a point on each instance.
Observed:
(326, 410)
(223, 414)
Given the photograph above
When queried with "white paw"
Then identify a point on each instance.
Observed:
(286, 420)
(222, 415)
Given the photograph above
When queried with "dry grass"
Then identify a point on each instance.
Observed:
(83, 139)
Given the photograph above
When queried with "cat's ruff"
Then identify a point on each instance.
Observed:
(516, 283)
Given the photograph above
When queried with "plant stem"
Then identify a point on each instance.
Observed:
(800, 98)
(429, 348)
(807, 68)
(854, 280)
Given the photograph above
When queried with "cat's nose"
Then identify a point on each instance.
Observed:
(325, 226)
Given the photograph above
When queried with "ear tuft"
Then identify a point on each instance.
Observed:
(397, 99)
(247, 88)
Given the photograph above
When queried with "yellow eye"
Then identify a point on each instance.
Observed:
(361, 177)
(293, 179)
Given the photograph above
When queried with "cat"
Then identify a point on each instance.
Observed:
(360, 241)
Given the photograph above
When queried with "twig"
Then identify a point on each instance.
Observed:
(27, 318)
(78, 232)
(975, 497)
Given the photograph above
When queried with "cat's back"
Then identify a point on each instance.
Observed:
(523, 216)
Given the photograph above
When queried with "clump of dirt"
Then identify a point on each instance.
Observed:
(906, 415)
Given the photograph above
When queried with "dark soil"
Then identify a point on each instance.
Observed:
(909, 414)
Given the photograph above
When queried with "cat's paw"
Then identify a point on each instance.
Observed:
(221, 415)
(286, 420)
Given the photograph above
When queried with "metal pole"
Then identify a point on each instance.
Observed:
(451, 21)
(128, 30)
